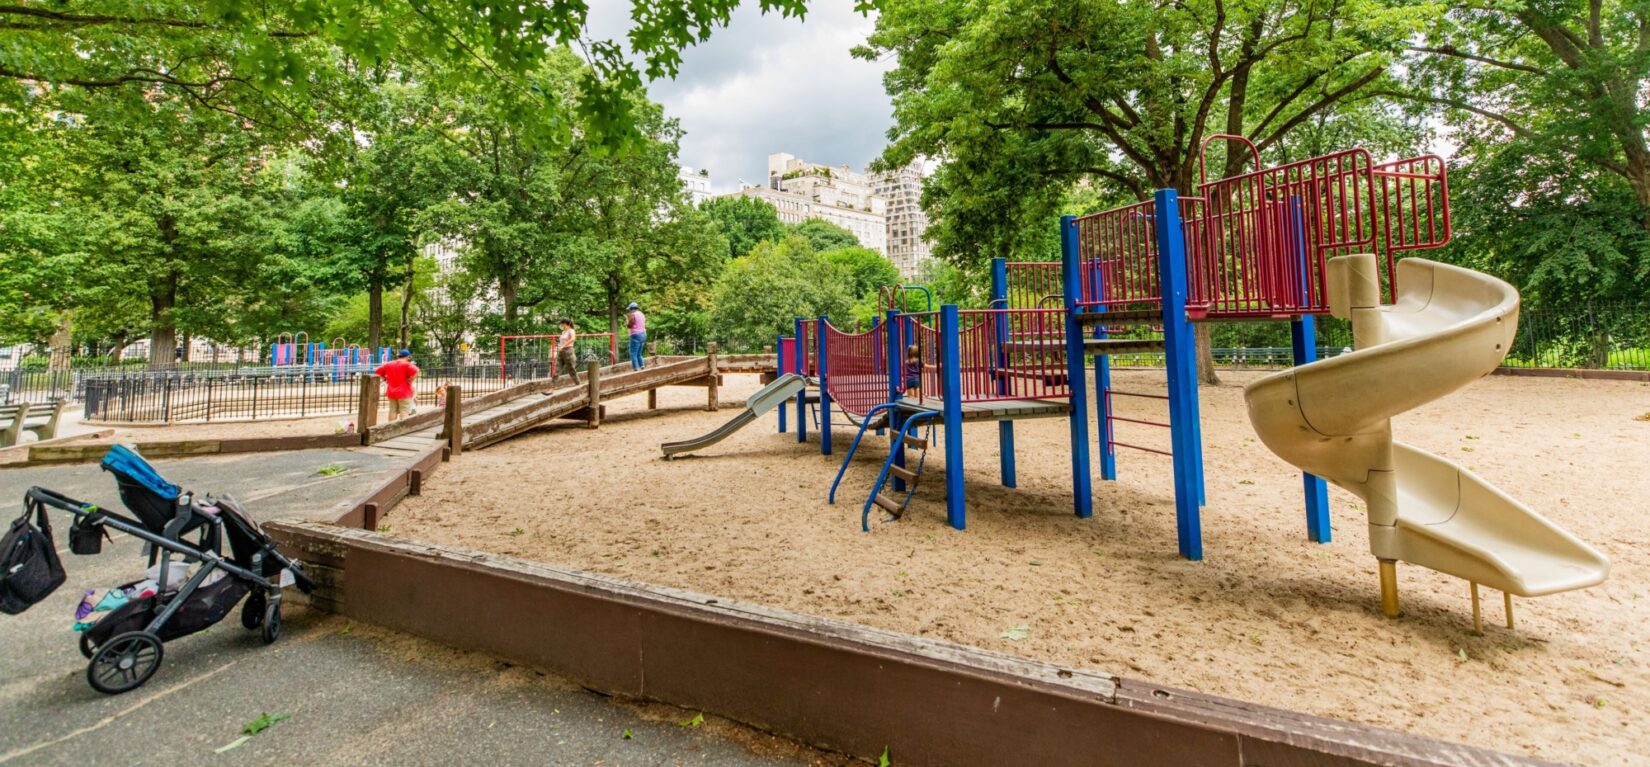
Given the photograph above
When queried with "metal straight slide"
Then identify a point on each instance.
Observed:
(1447, 328)
(771, 396)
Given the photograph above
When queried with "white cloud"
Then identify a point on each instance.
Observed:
(769, 84)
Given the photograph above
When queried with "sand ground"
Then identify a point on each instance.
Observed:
(1267, 616)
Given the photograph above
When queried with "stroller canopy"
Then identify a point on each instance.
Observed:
(142, 489)
(122, 462)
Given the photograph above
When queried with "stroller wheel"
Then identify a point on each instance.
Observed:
(272, 622)
(124, 662)
(252, 612)
(86, 646)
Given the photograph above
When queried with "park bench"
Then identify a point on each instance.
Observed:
(40, 420)
(11, 422)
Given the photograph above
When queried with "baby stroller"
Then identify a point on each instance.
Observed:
(125, 646)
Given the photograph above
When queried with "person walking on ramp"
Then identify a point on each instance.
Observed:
(398, 375)
(565, 358)
(638, 335)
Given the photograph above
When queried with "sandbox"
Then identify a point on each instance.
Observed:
(1267, 617)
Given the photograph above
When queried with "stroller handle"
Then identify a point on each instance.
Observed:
(58, 500)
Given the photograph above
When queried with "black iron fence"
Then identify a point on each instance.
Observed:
(258, 393)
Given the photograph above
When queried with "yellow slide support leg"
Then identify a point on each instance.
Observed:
(1389, 587)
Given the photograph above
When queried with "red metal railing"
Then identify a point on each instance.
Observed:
(1012, 354)
(856, 375)
(1032, 285)
(809, 338)
(922, 330)
(1257, 244)
(1117, 251)
(1414, 207)
(533, 356)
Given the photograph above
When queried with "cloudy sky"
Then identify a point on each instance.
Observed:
(769, 84)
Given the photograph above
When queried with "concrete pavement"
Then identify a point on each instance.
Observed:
(355, 694)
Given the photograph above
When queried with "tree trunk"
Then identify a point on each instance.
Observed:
(375, 316)
(1206, 374)
(405, 335)
(163, 332)
(185, 345)
(61, 341)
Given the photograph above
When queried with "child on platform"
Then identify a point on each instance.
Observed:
(913, 371)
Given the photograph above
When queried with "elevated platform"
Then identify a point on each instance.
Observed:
(999, 410)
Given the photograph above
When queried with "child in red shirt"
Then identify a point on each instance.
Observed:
(398, 376)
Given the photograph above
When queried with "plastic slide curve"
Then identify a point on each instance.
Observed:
(1447, 327)
(771, 396)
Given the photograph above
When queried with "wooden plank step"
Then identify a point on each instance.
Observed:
(1122, 345)
(1121, 317)
(903, 473)
(916, 442)
(887, 502)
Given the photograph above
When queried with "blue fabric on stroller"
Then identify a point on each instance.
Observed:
(145, 492)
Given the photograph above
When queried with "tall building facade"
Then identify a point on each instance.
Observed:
(697, 183)
(902, 189)
(801, 190)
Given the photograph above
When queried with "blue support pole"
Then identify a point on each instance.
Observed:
(1005, 429)
(779, 364)
(1102, 387)
(824, 393)
(896, 385)
(1082, 478)
(1303, 338)
(1180, 357)
(956, 504)
(802, 396)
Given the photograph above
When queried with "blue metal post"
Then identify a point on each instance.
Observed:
(1180, 357)
(1005, 429)
(779, 365)
(824, 393)
(896, 385)
(1102, 387)
(876, 322)
(1303, 337)
(802, 396)
(956, 505)
(1082, 478)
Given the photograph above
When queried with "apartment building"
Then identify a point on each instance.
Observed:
(906, 220)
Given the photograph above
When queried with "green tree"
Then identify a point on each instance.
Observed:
(1027, 99)
(759, 295)
(745, 221)
(1564, 79)
(170, 197)
(823, 235)
(276, 62)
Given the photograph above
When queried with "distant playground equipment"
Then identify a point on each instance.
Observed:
(296, 350)
(1264, 245)
(526, 357)
(769, 397)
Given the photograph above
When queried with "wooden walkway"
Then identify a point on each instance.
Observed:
(493, 418)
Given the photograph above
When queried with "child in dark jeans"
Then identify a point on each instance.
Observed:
(913, 371)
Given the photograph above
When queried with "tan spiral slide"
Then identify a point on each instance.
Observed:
(1448, 327)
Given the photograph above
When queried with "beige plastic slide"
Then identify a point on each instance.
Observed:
(769, 397)
(1448, 327)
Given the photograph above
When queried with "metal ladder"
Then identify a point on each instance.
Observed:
(905, 438)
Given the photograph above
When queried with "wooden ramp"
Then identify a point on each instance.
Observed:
(493, 418)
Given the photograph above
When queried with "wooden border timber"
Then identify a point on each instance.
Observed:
(180, 448)
(823, 681)
(371, 507)
(1591, 374)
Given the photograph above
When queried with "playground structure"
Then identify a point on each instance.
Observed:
(525, 357)
(296, 350)
(1255, 246)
